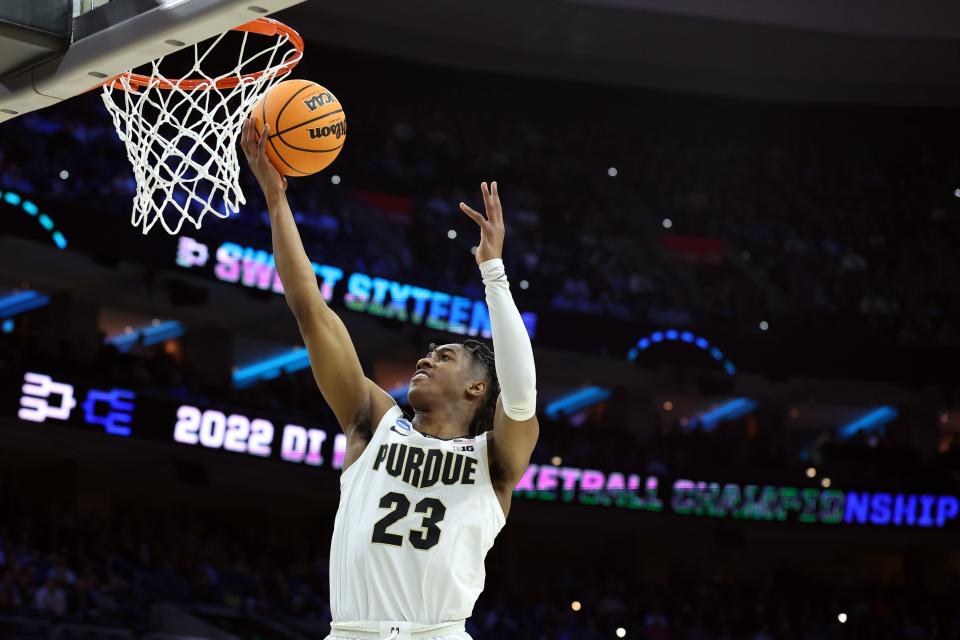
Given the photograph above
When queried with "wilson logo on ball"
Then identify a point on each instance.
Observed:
(337, 130)
(308, 127)
(314, 102)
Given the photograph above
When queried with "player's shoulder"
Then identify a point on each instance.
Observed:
(371, 413)
(381, 403)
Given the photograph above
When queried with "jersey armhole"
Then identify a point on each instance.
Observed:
(392, 414)
(493, 492)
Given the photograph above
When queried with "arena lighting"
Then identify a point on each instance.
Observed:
(14, 199)
(575, 402)
(728, 411)
(811, 472)
(674, 335)
(161, 332)
(842, 617)
(18, 302)
(575, 605)
(150, 335)
(868, 423)
(7, 326)
(621, 632)
(271, 367)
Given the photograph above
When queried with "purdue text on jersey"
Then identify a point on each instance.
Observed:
(421, 468)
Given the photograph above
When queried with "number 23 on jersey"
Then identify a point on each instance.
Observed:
(399, 506)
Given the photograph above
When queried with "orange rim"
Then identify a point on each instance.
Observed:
(261, 26)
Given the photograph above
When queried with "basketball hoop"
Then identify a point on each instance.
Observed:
(181, 133)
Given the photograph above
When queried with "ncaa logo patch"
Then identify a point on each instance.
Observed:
(402, 426)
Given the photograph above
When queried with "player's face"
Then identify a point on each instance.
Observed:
(440, 375)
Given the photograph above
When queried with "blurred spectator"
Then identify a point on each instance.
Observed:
(809, 215)
(51, 598)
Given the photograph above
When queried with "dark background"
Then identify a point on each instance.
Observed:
(808, 167)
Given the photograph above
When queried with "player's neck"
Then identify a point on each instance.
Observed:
(447, 422)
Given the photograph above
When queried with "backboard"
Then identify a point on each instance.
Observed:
(52, 51)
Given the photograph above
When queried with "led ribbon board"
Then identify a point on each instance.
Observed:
(762, 503)
(357, 291)
(43, 400)
(673, 335)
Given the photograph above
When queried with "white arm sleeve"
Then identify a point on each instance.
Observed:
(512, 350)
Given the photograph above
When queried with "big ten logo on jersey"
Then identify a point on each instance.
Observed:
(317, 100)
(337, 130)
(459, 446)
(423, 468)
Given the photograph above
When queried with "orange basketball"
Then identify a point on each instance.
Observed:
(307, 126)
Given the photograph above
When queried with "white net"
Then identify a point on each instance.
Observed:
(181, 134)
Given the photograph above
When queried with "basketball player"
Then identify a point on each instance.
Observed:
(421, 501)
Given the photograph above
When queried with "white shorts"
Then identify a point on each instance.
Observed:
(397, 631)
(456, 636)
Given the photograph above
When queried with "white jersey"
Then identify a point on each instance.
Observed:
(417, 516)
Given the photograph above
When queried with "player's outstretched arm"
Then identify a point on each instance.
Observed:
(515, 424)
(333, 357)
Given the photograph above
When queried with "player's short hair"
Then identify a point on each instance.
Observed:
(484, 361)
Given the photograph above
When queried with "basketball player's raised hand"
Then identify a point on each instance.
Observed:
(491, 228)
(267, 175)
